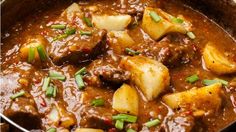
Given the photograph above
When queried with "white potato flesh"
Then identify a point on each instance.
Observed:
(54, 116)
(67, 119)
(216, 61)
(119, 40)
(150, 76)
(199, 100)
(72, 10)
(110, 23)
(158, 29)
(88, 130)
(125, 100)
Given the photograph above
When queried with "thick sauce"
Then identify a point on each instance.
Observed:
(78, 102)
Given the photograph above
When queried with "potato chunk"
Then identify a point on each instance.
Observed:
(157, 29)
(60, 116)
(125, 100)
(73, 9)
(118, 22)
(88, 130)
(150, 76)
(119, 40)
(200, 100)
(33, 43)
(216, 61)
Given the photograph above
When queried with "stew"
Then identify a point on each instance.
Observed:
(125, 65)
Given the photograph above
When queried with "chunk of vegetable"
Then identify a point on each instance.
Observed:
(125, 117)
(72, 10)
(164, 25)
(119, 40)
(202, 99)
(88, 130)
(216, 61)
(32, 45)
(54, 116)
(125, 100)
(67, 119)
(52, 130)
(151, 76)
(59, 116)
(118, 22)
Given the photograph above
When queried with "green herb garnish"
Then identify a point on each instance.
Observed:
(192, 79)
(154, 16)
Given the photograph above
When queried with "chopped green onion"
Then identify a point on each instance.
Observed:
(88, 22)
(41, 52)
(31, 54)
(224, 82)
(54, 92)
(79, 81)
(70, 31)
(58, 26)
(57, 76)
(191, 35)
(131, 52)
(125, 117)
(82, 71)
(52, 130)
(119, 124)
(50, 91)
(130, 130)
(60, 37)
(152, 123)
(46, 82)
(154, 16)
(192, 79)
(208, 82)
(16, 95)
(97, 102)
(177, 20)
(85, 33)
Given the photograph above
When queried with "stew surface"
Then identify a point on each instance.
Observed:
(146, 66)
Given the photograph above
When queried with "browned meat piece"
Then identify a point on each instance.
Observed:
(78, 48)
(179, 122)
(100, 71)
(23, 111)
(171, 50)
(95, 121)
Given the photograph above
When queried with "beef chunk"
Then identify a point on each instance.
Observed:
(172, 50)
(23, 111)
(100, 71)
(179, 122)
(78, 48)
(95, 121)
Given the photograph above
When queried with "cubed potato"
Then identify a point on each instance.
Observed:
(150, 76)
(119, 40)
(117, 23)
(88, 130)
(125, 100)
(67, 119)
(54, 116)
(33, 42)
(157, 29)
(71, 11)
(216, 61)
(199, 100)
(59, 116)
